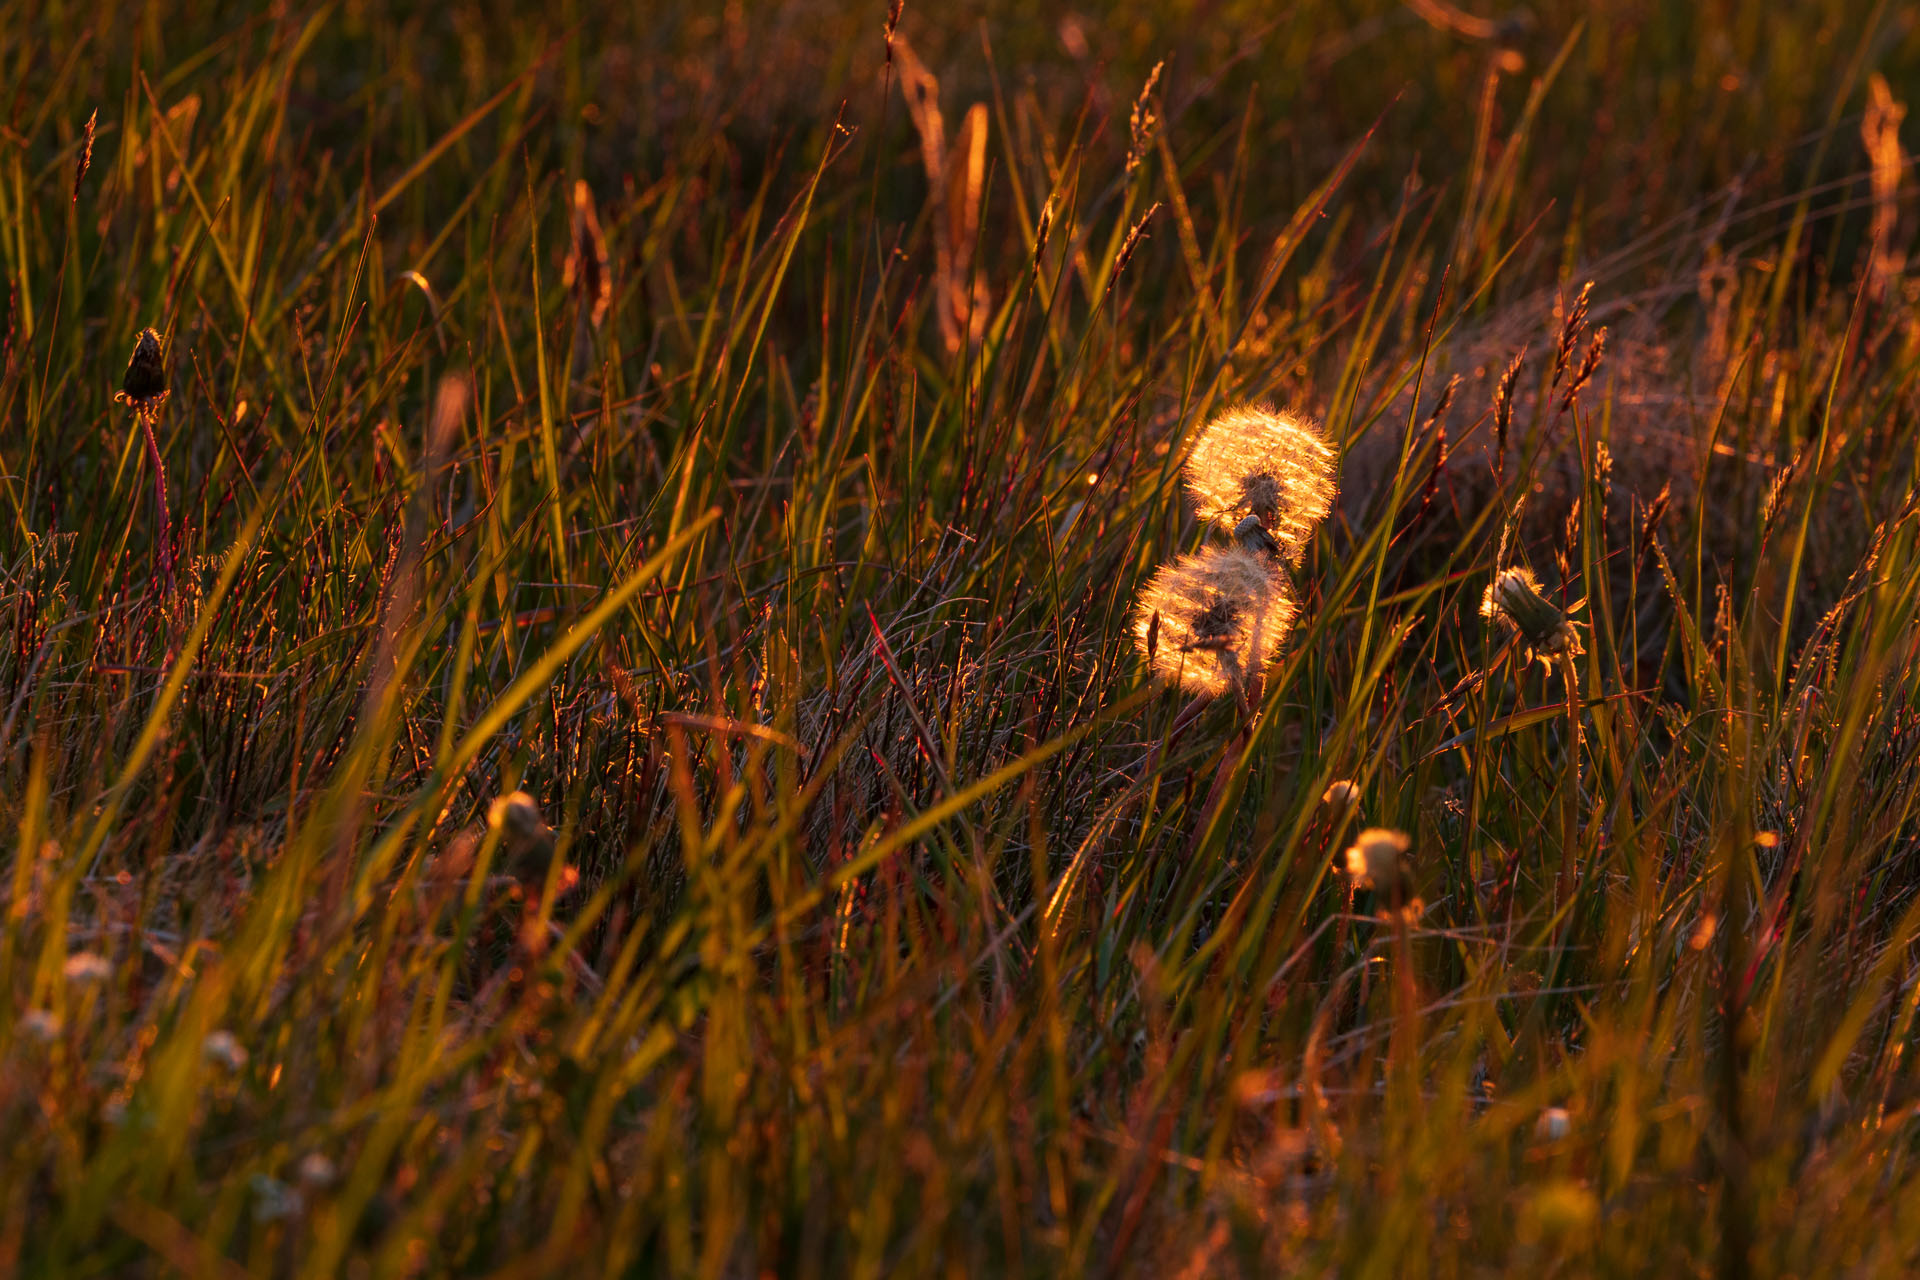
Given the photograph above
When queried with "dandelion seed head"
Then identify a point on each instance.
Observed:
(1341, 796)
(1377, 860)
(1222, 612)
(1274, 465)
(519, 813)
(1554, 1124)
(1374, 858)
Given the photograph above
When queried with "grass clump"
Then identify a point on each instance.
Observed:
(610, 722)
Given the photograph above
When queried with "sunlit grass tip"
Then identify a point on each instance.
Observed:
(1251, 460)
(1209, 621)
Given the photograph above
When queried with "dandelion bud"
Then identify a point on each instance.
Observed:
(1214, 619)
(144, 387)
(1276, 466)
(1513, 598)
(1253, 535)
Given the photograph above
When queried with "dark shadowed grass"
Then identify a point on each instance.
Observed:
(878, 916)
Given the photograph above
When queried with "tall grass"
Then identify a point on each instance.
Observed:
(868, 910)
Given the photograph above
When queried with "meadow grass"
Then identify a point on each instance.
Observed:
(709, 426)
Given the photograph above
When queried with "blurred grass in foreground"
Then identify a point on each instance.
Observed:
(653, 412)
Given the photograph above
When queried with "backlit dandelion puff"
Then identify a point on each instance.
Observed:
(1514, 600)
(1208, 621)
(1378, 860)
(1277, 466)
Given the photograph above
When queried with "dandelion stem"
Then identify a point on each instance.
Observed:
(1570, 776)
(163, 537)
(1217, 792)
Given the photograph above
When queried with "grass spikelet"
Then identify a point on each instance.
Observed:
(1275, 465)
(1143, 121)
(1214, 619)
(586, 273)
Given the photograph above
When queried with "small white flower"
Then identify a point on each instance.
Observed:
(224, 1048)
(315, 1170)
(39, 1024)
(274, 1200)
(85, 968)
(1514, 599)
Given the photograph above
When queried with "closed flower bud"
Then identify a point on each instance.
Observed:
(1513, 599)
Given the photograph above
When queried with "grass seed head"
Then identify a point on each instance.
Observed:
(1276, 466)
(1220, 615)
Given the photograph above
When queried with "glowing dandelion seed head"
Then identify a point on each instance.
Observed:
(1276, 466)
(1222, 612)
(1378, 860)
